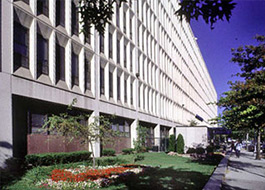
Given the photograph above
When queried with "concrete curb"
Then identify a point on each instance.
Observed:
(215, 181)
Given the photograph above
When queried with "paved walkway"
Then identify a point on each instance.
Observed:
(244, 173)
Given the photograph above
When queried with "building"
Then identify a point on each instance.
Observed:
(147, 68)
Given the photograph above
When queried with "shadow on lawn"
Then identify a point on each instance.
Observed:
(165, 178)
(212, 160)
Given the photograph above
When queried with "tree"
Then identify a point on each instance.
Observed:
(74, 125)
(99, 12)
(180, 144)
(192, 123)
(209, 10)
(139, 143)
(172, 143)
(244, 104)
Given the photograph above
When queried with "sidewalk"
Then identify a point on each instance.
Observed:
(244, 173)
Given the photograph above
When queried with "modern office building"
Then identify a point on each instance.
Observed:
(147, 68)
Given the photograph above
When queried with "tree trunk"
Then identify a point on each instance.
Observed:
(93, 155)
(258, 145)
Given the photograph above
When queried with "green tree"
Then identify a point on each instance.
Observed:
(139, 143)
(244, 104)
(192, 123)
(210, 10)
(180, 144)
(172, 143)
(98, 13)
(74, 125)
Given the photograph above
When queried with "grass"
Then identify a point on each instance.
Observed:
(168, 172)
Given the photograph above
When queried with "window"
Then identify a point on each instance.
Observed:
(117, 15)
(110, 45)
(131, 28)
(60, 9)
(43, 7)
(125, 56)
(36, 121)
(75, 20)
(131, 93)
(87, 74)
(60, 63)
(143, 98)
(42, 55)
(124, 22)
(75, 69)
(21, 45)
(118, 51)
(139, 94)
(125, 91)
(88, 37)
(131, 62)
(110, 84)
(101, 43)
(25, 1)
(102, 87)
(143, 69)
(118, 87)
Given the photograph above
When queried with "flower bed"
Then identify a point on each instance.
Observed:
(87, 177)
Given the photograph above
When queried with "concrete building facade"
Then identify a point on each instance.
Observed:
(147, 68)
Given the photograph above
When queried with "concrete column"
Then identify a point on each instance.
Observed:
(52, 65)
(68, 64)
(171, 131)
(82, 70)
(133, 132)
(6, 138)
(157, 136)
(96, 144)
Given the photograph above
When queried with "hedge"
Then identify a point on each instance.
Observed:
(47, 159)
(108, 152)
(191, 151)
(127, 150)
(200, 150)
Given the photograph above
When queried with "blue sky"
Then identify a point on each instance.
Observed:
(248, 19)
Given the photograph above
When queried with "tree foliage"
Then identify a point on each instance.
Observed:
(97, 13)
(172, 143)
(244, 104)
(139, 143)
(210, 10)
(180, 144)
(75, 125)
(193, 123)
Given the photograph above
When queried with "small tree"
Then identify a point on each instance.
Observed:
(172, 143)
(74, 125)
(192, 123)
(180, 144)
(139, 143)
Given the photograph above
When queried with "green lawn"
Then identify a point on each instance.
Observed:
(169, 172)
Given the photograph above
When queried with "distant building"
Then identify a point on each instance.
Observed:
(147, 68)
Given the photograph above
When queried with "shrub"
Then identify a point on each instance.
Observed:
(180, 144)
(138, 158)
(47, 159)
(217, 147)
(172, 143)
(200, 150)
(209, 149)
(110, 161)
(191, 151)
(108, 152)
(127, 150)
